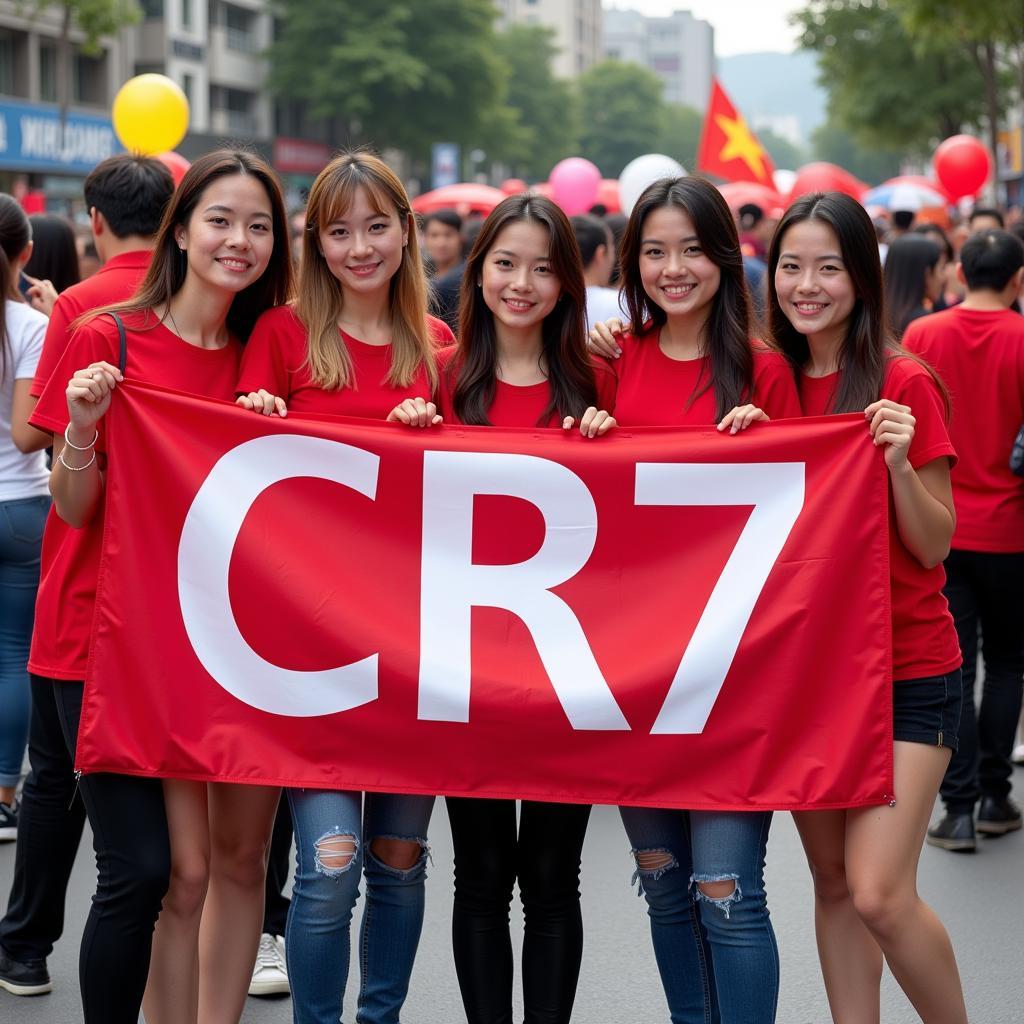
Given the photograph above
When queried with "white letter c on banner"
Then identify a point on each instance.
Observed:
(204, 558)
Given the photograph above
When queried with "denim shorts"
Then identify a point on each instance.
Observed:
(928, 710)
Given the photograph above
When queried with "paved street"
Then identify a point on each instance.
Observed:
(980, 898)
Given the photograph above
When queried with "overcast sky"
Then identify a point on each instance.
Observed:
(741, 26)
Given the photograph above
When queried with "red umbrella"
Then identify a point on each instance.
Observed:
(465, 197)
(826, 177)
(608, 195)
(739, 193)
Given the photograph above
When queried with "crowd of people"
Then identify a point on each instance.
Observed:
(524, 318)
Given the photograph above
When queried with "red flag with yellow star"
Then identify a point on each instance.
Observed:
(728, 147)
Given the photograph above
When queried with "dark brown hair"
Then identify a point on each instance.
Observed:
(169, 265)
(15, 234)
(726, 334)
(570, 375)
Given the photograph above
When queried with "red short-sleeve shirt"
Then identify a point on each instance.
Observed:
(923, 637)
(979, 354)
(656, 390)
(520, 406)
(275, 360)
(71, 557)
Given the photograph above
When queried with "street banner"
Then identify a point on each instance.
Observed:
(668, 617)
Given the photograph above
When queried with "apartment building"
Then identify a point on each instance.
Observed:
(577, 25)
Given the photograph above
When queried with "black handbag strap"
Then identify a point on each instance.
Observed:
(122, 358)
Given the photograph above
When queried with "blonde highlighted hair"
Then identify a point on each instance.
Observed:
(320, 301)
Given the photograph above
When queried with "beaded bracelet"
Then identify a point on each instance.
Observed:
(71, 444)
(77, 469)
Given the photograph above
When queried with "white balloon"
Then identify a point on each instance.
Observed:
(643, 171)
(784, 181)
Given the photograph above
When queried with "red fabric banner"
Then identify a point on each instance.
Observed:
(661, 617)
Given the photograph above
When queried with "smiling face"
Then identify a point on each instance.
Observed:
(229, 236)
(675, 272)
(518, 285)
(815, 290)
(363, 246)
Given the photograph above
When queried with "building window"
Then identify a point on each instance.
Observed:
(239, 25)
(89, 80)
(233, 108)
(188, 84)
(48, 72)
(152, 9)
(6, 63)
(186, 14)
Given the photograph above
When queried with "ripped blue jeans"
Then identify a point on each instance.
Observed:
(332, 839)
(742, 984)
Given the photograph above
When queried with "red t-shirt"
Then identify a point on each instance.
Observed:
(115, 281)
(655, 390)
(275, 357)
(71, 557)
(924, 642)
(517, 405)
(980, 357)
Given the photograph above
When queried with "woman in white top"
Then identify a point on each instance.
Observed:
(24, 500)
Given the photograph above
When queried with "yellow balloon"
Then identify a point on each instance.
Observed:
(150, 114)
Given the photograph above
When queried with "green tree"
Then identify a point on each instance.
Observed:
(991, 33)
(546, 125)
(873, 165)
(401, 74)
(680, 133)
(95, 19)
(886, 88)
(621, 114)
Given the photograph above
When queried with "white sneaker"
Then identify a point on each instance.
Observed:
(269, 974)
(1017, 757)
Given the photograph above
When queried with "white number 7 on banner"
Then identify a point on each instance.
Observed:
(776, 490)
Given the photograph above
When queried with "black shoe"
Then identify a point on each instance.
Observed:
(997, 817)
(8, 822)
(24, 979)
(954, 832)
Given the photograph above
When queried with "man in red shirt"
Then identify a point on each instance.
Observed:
(977, 348)
(126, 196)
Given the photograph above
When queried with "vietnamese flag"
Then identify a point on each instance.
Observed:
(728, 147)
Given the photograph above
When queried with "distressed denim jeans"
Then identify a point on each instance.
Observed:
(709, 847)
(332, 839)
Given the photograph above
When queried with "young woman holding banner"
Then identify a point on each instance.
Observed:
(692, 362)
(521, 361)
(357, 342)
(220, 259)
(826, 314)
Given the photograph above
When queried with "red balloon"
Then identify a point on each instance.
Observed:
(176, 164)
(826, 177)
(513, 186)
(963, 165)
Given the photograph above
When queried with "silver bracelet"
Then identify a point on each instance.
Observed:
(77, 469)
(71, 444)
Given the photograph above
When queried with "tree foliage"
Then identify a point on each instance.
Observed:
(873, 165)
(621, 114)
(680, 133)
(886, 87)
(401, 74)
(545, 107)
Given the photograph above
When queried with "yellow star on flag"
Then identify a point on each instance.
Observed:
(740, 144)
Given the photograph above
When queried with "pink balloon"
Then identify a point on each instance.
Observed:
(574, 184)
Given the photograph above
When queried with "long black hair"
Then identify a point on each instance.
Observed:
(54, 255)
(726, 335)
(570, 375)
(907, 263)
(15, 234)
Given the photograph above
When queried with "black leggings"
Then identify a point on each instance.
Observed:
(546, 860)
(133, 861)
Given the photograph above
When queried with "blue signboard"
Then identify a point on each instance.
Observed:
(445, 164)
(32, 139)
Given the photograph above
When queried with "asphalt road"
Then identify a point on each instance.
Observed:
(980, 898)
